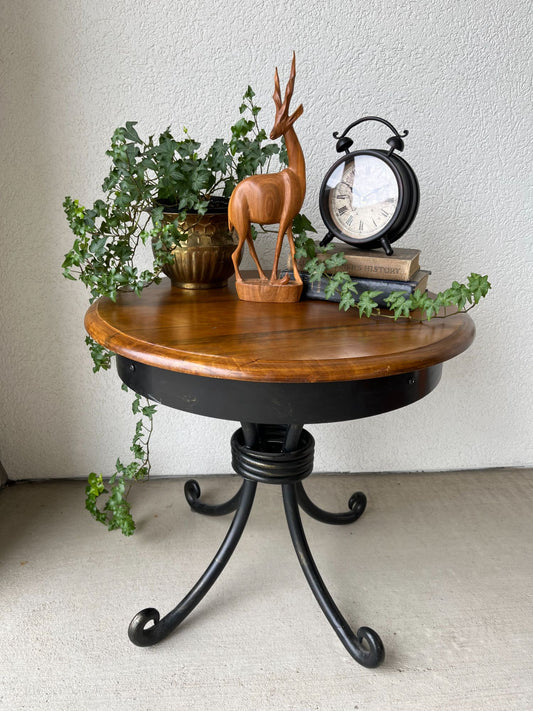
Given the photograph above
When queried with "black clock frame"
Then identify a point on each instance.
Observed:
(408, 191)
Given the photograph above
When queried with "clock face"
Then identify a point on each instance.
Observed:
(363, 196)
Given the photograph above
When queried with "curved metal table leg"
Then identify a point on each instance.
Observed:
(365, 646)
(357, 504)
(193, 492)
(144, 637)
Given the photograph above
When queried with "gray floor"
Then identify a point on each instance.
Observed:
(440, 565)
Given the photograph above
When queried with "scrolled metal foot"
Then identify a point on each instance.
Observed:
(136, 631)
(144, 636)
(357, 504)
(365, 646)
(371, 643)
(193, 492)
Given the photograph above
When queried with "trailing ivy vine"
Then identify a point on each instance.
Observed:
(115, 511)
(419, 306)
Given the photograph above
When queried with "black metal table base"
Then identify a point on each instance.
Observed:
(270, 454)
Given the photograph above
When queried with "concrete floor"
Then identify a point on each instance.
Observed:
(440, 565)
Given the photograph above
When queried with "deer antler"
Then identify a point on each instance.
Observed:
(282, 120)
(277, 92)
(282, 109)
(290, 85)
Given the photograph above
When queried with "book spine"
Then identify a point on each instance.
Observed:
(368, 270)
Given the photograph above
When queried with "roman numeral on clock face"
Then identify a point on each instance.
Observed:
(342, 210)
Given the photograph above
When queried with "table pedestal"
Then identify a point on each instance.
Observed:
(271, 454)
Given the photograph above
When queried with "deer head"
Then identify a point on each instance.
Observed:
(282, 120)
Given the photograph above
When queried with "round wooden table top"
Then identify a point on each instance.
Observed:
(212, 333)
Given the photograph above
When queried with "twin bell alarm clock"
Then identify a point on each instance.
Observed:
(370, 197)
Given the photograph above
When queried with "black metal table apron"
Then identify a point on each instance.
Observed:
(272, 447)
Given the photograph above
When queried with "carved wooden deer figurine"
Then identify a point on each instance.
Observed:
(268, 199)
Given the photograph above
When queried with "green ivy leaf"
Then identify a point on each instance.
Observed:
(366, 303)
(301, 225)
(101, 356)
(95, 485)
(431, 308)
(138, 451)
(478, 286)
(399, 303)
(249, 93)
(347, 298)
(149, 410)
(330, 289)
(136, 404)
(337, 259)
(241, 128)
(315, 269)
(218, 156)
(459, 294)
(283, 155)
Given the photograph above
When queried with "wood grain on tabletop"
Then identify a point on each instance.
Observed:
(212, 333)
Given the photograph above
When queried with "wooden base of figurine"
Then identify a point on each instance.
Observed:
(262, 290)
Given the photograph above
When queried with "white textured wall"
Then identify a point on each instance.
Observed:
(456, 74)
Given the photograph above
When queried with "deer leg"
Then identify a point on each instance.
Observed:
(251, 247)
(274, 276)
(235, 258)
(297, 277)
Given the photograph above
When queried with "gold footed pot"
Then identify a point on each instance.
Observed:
(203, 260)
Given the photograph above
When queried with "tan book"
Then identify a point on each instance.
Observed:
(375, 264)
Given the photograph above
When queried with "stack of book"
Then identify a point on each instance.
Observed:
(372, 270)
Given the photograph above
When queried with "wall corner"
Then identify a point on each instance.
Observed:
(3, 476)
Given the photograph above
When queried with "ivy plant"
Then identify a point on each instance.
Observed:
(147, 176)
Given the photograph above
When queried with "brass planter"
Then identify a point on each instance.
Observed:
(203, 260)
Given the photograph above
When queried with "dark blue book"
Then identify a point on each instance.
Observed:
(316, 290)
